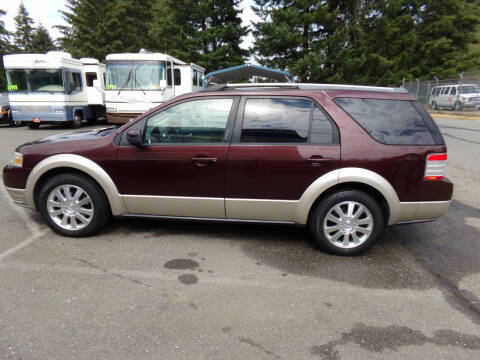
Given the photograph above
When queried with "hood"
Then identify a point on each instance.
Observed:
(74, 136)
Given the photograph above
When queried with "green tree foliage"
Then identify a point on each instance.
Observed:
(41, 41)
(366, 41)
(22, 37)
(95, 28)
(4, 48)
(207, 32)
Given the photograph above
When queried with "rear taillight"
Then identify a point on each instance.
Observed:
(435, 167)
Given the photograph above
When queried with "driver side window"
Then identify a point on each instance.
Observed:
(196, 121)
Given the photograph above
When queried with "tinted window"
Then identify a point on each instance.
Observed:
(276, 121)
(454, 91)
(177, 76)
(169, 74)
(391, 122)
(195, 78)
(74, 82)
(90, 77)
(322, 128)
(197, 121)
(446, 90)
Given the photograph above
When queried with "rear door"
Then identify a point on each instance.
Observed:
(280, 146)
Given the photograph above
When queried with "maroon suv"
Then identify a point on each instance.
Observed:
(344, 160)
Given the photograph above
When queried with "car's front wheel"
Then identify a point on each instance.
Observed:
(346, 222)
(73, 205)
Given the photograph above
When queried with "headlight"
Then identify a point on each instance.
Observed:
(16, 160)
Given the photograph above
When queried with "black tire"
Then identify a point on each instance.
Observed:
(323, 208)
(434, 105)
(77, 121)
(101, 208)
(458, 106)
(33, 125)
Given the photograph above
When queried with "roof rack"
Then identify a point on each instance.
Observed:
(303, 86)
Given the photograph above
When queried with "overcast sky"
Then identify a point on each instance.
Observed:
(47, 12)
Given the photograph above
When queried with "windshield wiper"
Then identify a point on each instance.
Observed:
(126, 82)
(136, 83)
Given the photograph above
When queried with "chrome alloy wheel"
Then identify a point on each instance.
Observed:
(348, 224)
(70, 207)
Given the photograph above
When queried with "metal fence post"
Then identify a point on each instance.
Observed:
(428, 93)
(418, 86)
(458, 92)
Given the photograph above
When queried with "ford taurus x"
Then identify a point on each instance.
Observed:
(346, 161)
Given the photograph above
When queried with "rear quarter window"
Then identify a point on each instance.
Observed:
(391, 122)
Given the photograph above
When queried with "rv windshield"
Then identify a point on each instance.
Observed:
(134, 74)
(469, 89)
(50, 80)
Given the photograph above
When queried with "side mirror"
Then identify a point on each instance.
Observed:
(134, 137)
(96, 84)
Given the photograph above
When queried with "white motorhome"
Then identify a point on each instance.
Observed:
(54, 88)
(137, 82)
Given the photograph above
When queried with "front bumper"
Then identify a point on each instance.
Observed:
(17, 195)
(44, 117)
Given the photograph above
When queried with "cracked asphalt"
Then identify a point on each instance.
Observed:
(144, 289)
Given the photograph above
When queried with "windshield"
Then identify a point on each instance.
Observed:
(35, 80)
(470, 89)
(135, 75)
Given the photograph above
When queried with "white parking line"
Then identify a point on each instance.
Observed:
(35, 229)
(21, 212)
(21, 245)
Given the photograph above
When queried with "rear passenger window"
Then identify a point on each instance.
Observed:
(392, 122)
(322, 128)
(454, 91)
(276, 121)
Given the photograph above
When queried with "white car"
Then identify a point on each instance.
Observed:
(455, 97)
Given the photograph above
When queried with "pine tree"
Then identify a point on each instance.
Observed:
(206, 32)
(96, 28)
(289, 36)
(41, 40)
(22, 37)
(4, 49)
(367, 41)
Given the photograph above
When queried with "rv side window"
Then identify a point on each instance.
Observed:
(454, 91)
(74, 82)
(195, 78)
(177, 77)
(169, 74)
(90, 77)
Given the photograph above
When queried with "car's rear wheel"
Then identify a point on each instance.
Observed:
(73, 205)
(434, 105)
(346, 222)
(458, 106)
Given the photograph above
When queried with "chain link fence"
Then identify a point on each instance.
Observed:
(460, 95)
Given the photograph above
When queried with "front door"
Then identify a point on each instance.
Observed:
(180, 169)
(281, 145)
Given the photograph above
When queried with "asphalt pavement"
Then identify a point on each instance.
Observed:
(144, 289)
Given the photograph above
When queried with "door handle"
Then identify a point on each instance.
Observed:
(318, 159)
(203, 160)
